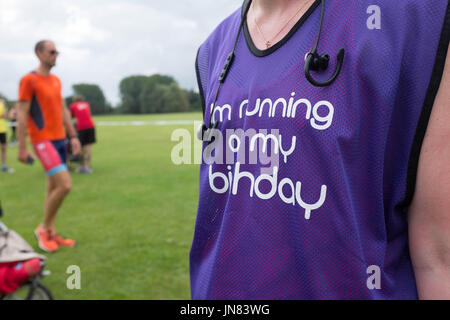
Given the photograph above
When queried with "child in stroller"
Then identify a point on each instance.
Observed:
(20, 268)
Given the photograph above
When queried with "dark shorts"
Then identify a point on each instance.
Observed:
(87, 136)
(3, 138)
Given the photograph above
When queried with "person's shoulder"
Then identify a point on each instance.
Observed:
(420, 2)
(233, 19)
(411, 8)
(222, 35)
(399, 2)
(406, 8)
(54, 76)
(223, 30)
(28, 77)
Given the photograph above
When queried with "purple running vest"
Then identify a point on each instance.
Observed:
(329, 221)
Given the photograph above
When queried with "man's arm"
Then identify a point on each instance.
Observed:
(76, 146)
(23, 109)
(429, 213)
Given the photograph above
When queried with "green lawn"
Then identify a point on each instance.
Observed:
(133, 218)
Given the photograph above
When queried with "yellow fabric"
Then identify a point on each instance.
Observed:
(3, 112)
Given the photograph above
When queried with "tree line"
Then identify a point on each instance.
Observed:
(155, 94)
(139, 95)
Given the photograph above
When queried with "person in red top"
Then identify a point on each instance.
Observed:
(42, 109)
(81, 110)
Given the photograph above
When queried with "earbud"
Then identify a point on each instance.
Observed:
(317, 63)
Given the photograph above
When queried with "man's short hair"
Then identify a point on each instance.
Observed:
(77, 98)
(40, 46)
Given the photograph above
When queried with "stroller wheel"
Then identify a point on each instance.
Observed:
(40, 292)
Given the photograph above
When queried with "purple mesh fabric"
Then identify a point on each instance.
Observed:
(246, 247)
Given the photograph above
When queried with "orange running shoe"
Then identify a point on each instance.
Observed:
(45, 240)
(63, 242)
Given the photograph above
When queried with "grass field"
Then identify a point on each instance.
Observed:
(133, 218)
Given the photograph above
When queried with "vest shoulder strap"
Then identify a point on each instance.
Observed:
(245, 8)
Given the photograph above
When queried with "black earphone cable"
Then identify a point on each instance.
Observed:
(316, 62)
(312, 62)
(225, 71)
(322, 14)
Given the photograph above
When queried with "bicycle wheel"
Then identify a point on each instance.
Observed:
(41, 292)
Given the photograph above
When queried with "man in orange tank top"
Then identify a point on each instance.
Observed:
(42, 109)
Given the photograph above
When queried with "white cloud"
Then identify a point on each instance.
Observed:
(103, 41)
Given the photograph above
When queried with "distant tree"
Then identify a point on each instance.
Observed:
(160, 79)
(109, 108)
(195, 100)
(118, 109)
(151, 97)
(130, 92)
(8, 103)
(94, 96)
(176, 99)
(68, 100)
(162, 98)
(155, 94)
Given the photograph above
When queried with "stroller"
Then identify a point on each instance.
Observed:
(15, 248)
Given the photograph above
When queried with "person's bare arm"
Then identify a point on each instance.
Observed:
(23, 109)
(76, 146)
(4, 114)
(429, 213)
(13, 112)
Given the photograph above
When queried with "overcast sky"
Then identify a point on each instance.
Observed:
(103, 41)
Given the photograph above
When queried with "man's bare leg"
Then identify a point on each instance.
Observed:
(58, 187)
(87, 156)
(3, 148)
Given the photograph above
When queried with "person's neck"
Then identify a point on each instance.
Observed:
(269, 21)
(268, 8)
(44, 69)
